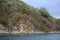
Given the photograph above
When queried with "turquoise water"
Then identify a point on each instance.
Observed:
(31, 37)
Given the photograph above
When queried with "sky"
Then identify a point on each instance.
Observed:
(52, 6)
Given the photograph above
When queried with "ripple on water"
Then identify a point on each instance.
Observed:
(31, 37)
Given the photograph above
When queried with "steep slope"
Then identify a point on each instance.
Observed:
(58, 24)
(16, 14)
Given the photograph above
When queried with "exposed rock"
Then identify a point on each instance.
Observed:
(29, 19)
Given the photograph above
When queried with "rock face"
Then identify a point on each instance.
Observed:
(23, 27)
(27, 27)
(24, 18)
(2, 29)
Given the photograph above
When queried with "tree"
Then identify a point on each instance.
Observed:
(44, 12)
(2, 6)
(17, 17)
(4, 21)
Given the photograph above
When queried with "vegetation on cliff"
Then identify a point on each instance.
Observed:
(12, 12)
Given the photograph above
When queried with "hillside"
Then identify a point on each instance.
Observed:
(18, 16)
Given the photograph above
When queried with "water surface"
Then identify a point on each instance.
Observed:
(31, 37)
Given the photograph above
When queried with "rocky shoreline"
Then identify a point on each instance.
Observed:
(30, 32)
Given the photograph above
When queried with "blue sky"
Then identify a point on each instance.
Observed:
(53, 6)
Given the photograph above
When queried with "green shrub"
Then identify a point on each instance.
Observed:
(58, 24)
(20, 8)
(33, 20)
(2, 6)
(44, 12)
(46, 29)
(4, 21)
(51, 19)
(13, 22)
(17, 17)
(27, 11)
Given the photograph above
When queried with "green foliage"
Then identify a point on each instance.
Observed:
(13, 22)
(33, 20)
(46, 29)
(40, 18)
(27, 11)
(58, 24)
(58, 21)
(2, 6)
(4, 21)
(17, 17)
(44, 12)
(22, 7)
(51, 19)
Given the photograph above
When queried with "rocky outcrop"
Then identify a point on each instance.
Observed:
(20, 17)
(24, 26)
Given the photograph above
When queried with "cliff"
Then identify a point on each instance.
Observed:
(17, 16)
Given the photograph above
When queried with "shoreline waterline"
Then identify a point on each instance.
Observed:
(29, 33)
